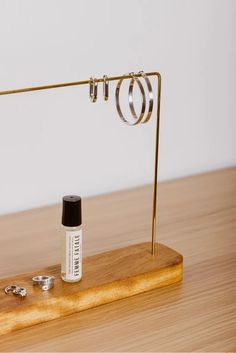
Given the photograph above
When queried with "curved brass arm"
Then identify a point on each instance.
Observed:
(115, 78)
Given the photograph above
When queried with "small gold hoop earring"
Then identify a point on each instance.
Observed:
(105, 88)
(93, 89)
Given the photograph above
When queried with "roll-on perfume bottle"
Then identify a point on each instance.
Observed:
(71, 263)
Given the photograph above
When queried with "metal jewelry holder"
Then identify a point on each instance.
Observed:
(143, 267)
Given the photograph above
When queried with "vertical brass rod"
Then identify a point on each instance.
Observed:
(155, 184)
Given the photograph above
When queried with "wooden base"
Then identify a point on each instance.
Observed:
(107, 277)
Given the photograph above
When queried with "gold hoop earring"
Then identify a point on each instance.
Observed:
(105, 88)
(93, 89)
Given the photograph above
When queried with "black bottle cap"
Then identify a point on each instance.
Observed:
(71, 211)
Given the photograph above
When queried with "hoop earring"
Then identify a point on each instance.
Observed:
(93, 89)
(131, 99)
(117, 97)
(105, 88)
(150, 92)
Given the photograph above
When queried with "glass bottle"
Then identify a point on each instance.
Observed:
(71, 261)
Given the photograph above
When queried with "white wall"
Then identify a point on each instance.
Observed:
(58, 142)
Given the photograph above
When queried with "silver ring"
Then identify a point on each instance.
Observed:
(44, 282)
(93, 89)
(105, 87)
(150, 92)
(131, 100)
(117, 97)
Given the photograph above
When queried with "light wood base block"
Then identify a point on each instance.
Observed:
(107, 277)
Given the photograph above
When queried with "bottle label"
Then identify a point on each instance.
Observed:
(74, 254)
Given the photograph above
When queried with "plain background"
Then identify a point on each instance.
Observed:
(57, 142)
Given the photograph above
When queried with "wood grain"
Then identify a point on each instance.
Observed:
(107, 277)
(197, 217)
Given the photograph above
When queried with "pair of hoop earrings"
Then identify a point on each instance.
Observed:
(141, 118)
(16, 290)
(93, 88)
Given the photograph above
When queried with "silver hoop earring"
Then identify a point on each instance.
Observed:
(93, 89)
(137, 120)
(131, 99)
(105, 88)
(150, 92)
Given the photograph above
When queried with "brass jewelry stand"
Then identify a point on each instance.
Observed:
(108, 276)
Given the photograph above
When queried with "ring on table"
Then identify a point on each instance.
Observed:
(44, 282)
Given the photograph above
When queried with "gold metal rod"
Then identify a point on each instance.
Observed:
(115, 78)
(68, 84)
(155, 186)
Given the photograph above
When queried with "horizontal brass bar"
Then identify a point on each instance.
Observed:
(69, 84)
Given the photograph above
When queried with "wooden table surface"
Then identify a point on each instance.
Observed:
(197, 217)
